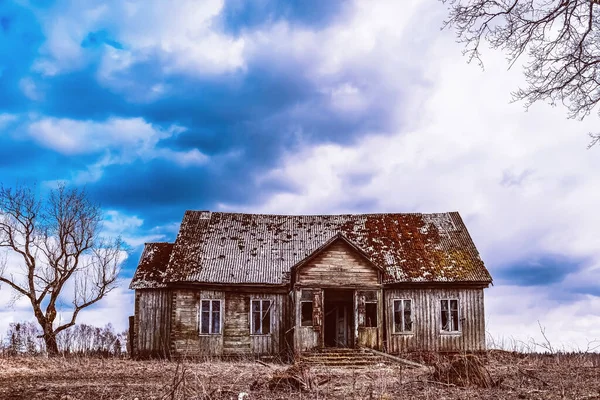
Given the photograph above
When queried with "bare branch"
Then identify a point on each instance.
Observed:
(58, 239)
(559, 37)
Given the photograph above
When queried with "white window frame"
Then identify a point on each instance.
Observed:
(412, 320)
(270, 309)
(452, 329)
(210, 319)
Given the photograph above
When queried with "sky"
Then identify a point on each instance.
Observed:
(302, 107)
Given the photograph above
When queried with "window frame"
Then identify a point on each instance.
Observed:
(376, 314)
(412, 320)
(269, 309)
(311, 314)
(211, 310)
(457, 329)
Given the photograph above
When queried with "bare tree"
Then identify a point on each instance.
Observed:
(53, 243)
(561, 38)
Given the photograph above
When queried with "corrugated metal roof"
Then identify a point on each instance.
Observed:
(261, 249)
(151, 270)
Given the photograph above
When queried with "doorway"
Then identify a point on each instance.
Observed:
(339, 318)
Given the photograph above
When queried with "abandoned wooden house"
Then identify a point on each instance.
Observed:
(235, 284)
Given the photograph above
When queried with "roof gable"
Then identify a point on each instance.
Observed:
(337, 262)
(341, 238)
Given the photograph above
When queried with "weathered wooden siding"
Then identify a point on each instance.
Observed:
(186, 340)
(166, 322)
(152, 323)
(338, 265)
(235, 337)
(308, 337)
(427, 334)
(236, 332)
(273, 343)
(371, 337)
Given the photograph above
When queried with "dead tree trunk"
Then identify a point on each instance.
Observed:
(53, 241)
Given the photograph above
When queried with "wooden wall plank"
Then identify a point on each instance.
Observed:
(152, 322)
(427, 334)
(340, 265)
(235, 337)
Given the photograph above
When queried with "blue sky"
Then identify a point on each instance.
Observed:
(301, 107)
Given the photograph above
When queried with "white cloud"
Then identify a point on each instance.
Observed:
(188, 38)
(6, 119)
(30, 89)
(358, 60)
(73, 137)
(520, 314)
(65, 30)
(184, 36)
(116, 140)
(128, 227)
(183, 158)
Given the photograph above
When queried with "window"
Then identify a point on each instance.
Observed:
(261, 317)
(371, 315)
(210, 317)
(450, 316)
(403, 316)
(306, 313)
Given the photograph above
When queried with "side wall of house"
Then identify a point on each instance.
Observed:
(427, 333)
(152, 323)
(186, 340)
(234, 336)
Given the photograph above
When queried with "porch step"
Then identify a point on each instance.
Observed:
(342, 357)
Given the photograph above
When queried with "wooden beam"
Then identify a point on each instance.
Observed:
(396, 359)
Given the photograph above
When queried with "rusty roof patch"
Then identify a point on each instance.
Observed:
(261, 249)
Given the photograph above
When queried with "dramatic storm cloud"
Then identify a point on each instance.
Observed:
(301, 107)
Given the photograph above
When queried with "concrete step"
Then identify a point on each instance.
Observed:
(357, 364)
(336, 357)
(338, 350)
(342, 358)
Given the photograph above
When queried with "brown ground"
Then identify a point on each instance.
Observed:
(515, 376)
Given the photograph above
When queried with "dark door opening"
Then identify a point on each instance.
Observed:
(339, 318)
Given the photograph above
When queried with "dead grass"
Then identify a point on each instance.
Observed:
(515, 376)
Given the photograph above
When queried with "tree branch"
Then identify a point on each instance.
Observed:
(559, 36)
(59, 241)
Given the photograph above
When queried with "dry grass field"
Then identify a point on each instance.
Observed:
(513, 376)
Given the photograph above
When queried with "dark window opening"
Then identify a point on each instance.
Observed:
(261, 317)
(402, 316)
(210, 317)
(307, 313)
(371, 315)
(450, 316)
